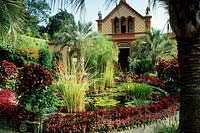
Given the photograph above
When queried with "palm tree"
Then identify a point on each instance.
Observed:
(11, 16)
(76, 39)
(154, 46)
(185, 23)
(82, 34)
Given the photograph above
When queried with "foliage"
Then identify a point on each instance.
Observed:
(12, 17)
(104, 102)
(34, 92)
(109, 75)
(120, 119)
(34, 78)
(99, 52)
(72, 87)
(143, 79)
(45, 58)
(153, 47)
(61, 21)
(27, 50)
(37, 11)
(141, 66)
(137, 90)
(7, 105)
(137, 102)
(168, 70)
(167, 129)
(100, 56)
(170, 73)
(38, 100)
(8, 74)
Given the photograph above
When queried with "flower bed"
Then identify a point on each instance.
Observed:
(116, 119)
(143, 79)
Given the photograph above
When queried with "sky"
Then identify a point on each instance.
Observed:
(159, 14)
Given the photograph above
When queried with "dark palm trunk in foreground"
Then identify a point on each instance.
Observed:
(189, 60)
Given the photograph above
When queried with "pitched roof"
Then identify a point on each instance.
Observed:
(119, 6)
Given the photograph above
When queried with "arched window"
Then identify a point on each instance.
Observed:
(116, 25)
(130, 25)
(123, 25)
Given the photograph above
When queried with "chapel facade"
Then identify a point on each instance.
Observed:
(123, 25)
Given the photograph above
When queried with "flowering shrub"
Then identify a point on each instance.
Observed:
(34, 77)
(121, 118)
(8, 72)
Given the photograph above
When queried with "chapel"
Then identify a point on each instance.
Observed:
(123, 25)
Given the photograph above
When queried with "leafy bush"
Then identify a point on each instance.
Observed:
(168, 70)
(7, 105)
(8, 74)
(34, 77)
(170, 73)
(25, 56)
(36, 101)
(34, 93)
(27, 50)
(141, 66)
(45, 58)
(141, 91)
(137, 90)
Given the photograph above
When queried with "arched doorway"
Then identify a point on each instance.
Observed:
(124, 52)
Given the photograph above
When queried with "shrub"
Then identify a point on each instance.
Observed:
(27, 50)
(170, 73)
(45, 58)
(34, 77)
(34, 93)
(8, 74)
(7, 105)
(25, 56)
(137, 90)
(168, 70)
(141, 66)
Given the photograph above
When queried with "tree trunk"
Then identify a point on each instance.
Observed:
(189, 62)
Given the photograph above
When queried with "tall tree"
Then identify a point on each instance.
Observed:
(61, 22)
(37, 12)
(12, 16)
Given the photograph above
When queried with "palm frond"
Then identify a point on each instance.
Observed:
(12, 16)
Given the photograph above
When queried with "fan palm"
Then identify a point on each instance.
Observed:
(154, 45)
(12, 16)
